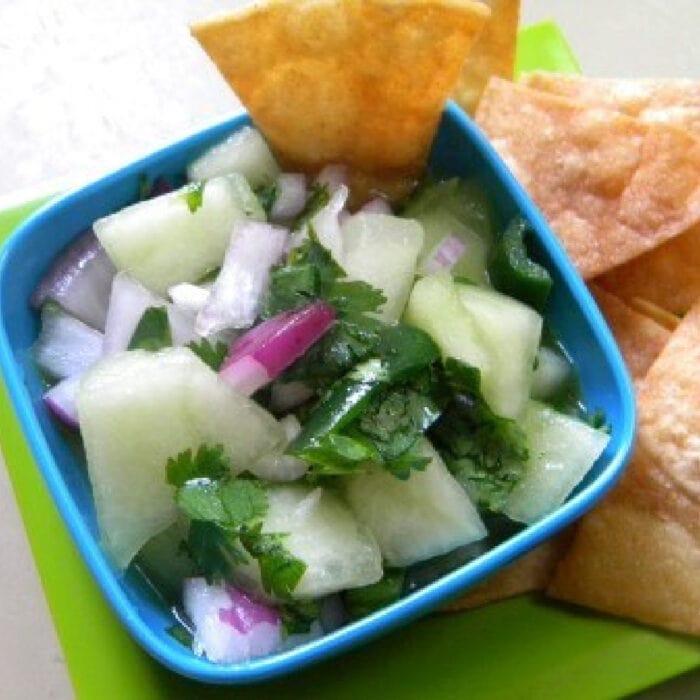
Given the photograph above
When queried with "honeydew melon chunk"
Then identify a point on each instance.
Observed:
(137, 409)
(382, 250)
(245, 152)
(551, 373)
(321, 531)
(424, 516)
(434, 306)
(160, 242)
(511, 331)
(562, 450)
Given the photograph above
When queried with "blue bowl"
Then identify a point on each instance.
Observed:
(459, 149)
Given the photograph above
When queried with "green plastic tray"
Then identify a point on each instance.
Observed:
(521, 649)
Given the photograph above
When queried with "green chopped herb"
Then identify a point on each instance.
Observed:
(206, 463)
(363, 601)
(180, 634)
(153, 331)
(193, 195)
(211, 354)
(318, 197)
(267, 195)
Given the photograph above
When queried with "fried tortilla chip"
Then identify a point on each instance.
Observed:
(651, 310)
(668, 276)
(640, 338)
(359, 82)
(638, 553)
(674, 101)
(610, 186)
(492, 54)
(531, 572)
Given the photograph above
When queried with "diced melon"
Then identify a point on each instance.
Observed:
(511, 331)
(161, 242)
(382, 250)
(322, 532)
(435, 307)
(245, 152)
(424, 516)
(562, 450)
(137, 409)
(552, 371)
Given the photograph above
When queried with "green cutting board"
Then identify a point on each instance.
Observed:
(523, 648)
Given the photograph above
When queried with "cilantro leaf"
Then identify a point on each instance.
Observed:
(212, 355)
(207, 463)
(215, 551)
(267, 195)
(362, 601)
(298, 616)
(280, 571)
(318, 197)
(200, 500)
(181, 634)
(244, 501)
(153, 331)
(193, 195)
(486, 452)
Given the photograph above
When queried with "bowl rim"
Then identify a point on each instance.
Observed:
(181, 659)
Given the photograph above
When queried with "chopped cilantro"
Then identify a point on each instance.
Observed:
(193, 195)
(298, 616)
(267, 194)
(318, 197)
(153, 331)
(279, 570)
(207, 463)
(180, 634)
(365, 600)
(211, 354)
(485, 451)
(226, 514)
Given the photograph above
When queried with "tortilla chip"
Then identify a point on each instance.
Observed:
(668, 276)
(531, 572)
(359, 82)
(647, 308)
(610, 186)
(638, 554)
(675, 102)
(492, 54)
(640, 338)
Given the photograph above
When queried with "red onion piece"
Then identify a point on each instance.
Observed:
(127, 303)
(79, 281)
(229, 625)
(263, 353)
(236, 295)
(445, 255)
(65, 346)
(377, 206)
(60, 400)
(291, 197)
(333, 176)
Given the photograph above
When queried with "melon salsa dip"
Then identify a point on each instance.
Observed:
(294, 413)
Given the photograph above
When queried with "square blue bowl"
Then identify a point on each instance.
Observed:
(459, 149)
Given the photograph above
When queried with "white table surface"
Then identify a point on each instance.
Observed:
(88, 85)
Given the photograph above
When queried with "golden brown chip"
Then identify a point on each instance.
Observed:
(668, 276)
(638, 554)
(640, 338)
(610, 186)
(531, 572)
(492, 54)
(651, 310)
(359, 82)
(674, 101)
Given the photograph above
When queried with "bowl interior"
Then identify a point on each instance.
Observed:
(459, 149)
